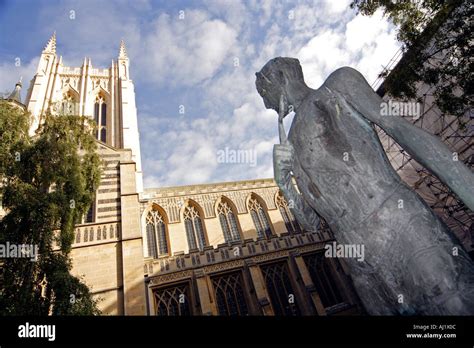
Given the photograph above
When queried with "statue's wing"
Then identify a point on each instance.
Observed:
(424, 147)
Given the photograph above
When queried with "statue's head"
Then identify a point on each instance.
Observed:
(272, 81)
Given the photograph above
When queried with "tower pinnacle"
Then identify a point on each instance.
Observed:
(15, 94)
(122, 51)
(51, 45)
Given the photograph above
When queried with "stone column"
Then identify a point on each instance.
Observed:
(151, 299)
(208, 305)
(309, 285)
(131, 243)
(260, 288)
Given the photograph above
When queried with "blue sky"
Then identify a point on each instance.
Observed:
(200, 55)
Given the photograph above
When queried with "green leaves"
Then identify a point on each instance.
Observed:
(44, 194)
(13, 134)
(437, 40)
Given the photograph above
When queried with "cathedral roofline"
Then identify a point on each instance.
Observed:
(149, 193)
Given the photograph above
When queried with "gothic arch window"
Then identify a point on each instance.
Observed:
(124, 70)
(280, 289)
(91, 234)
(90, 215)
(99, 234)
(230, 295)
(100, 117)
(194, 228)
(86, 235)
(323, 277)
(46, 65)
(259, 217)
(228, 221)
(78, 236)
(68, 104)
(103, 135)
(156, 234)
(291, 224)
(173, 301)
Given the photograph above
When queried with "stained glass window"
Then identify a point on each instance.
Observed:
(259, 217)
(90, 215)
(172, 301)
(103, 114)
(229, 294)
(103, 135)
(96, 113)
(228, 222)
(188, 224)
(156, 234)
(100, 117)
(194, 228)
(291, 224)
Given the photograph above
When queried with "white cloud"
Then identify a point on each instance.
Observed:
(192, 160)
(193, 60)
(335, 7)
(10, 73)
(265, 10)
(234, 12)
(188, 51)
(366, 43)
(374, 41)
(363, 31)
(321, 55)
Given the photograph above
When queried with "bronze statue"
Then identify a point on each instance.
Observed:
(413, 263)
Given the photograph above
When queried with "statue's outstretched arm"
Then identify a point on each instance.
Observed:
(424, 147)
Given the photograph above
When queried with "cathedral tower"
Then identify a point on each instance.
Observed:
(107, 251)
(106, 95)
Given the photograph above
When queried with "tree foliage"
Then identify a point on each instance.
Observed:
(437, 37)
(48, 184)
(14, 134)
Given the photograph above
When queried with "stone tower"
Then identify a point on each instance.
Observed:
(106, 95)
(107, 251)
